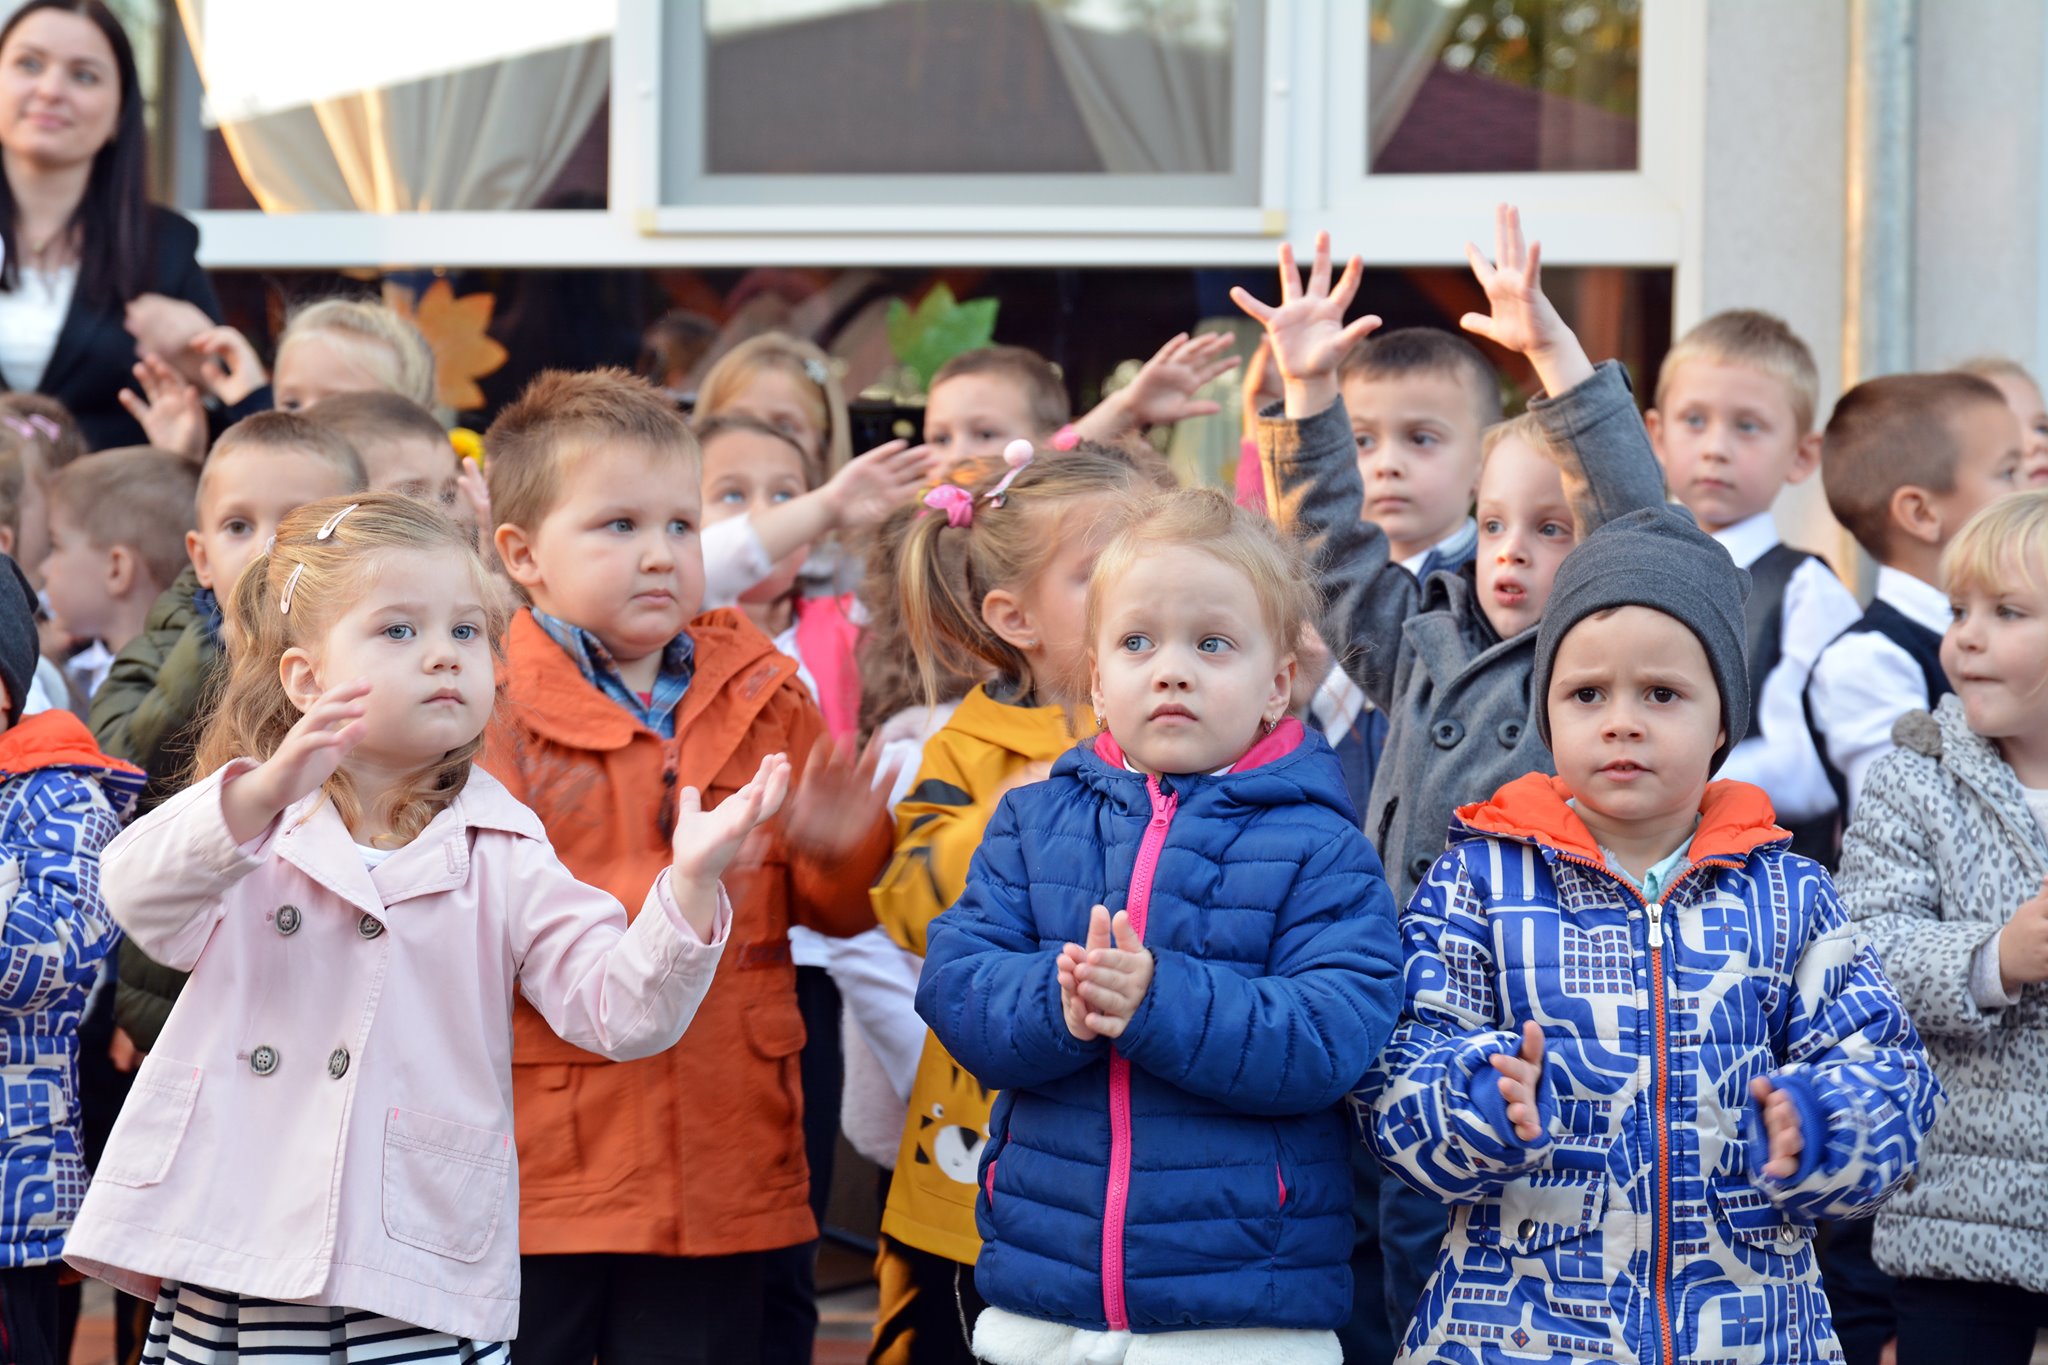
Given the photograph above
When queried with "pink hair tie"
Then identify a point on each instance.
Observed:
(1066, 438)
(956, 502)
(45, 425)
(1018, 455)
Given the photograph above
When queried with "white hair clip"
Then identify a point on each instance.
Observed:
(284, 601)
(327, 530)
(815, 371)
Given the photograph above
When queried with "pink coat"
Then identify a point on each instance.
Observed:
(328, 1114)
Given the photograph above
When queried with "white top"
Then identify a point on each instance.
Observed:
(1863, 683)
(1780, 756)
(1452, 546)
(734, 560)
(31, 316)
(374, 858)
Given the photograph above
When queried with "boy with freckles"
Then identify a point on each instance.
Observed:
(1644, 1048)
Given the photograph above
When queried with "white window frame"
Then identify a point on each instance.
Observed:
(1312, 134)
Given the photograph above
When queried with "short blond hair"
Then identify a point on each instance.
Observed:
(382, 339)
(2004, 542)
(1205, 520)
(802, 361)
(1755, 340)
(557, 416)
(136, 496)
(1997, 367)
(1525, 427)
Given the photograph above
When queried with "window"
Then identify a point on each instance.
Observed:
(1462, 86)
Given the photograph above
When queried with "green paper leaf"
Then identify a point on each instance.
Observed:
(939, 328)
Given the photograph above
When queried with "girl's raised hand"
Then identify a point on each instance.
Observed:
(309, 755)
(873, 485)
(475, 493)
(1523, 318)
(1164, 391)
(706, 840)
(1307, 328)
(169, 409)
(1521, 1077)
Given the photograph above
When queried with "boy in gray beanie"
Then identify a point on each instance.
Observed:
(1631, 1010)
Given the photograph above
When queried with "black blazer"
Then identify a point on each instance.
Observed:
(94, 358)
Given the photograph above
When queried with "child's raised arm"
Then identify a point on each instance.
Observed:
(1164, 391)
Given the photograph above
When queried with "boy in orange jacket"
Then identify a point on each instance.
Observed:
(651, 1189)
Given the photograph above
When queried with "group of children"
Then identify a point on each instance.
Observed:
(1085, 836)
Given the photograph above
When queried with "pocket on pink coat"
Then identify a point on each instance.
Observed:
(152, 1125)
(444, 1184)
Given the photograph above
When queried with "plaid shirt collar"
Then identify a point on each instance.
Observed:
(600, 670)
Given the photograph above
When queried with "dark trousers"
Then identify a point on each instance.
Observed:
(1412, 1228)
(640, 1310)
(28, 1316)
(789, 1329)
(927, 1311)
(1860, 1296)
(1367, 1339)
(1944, 1321)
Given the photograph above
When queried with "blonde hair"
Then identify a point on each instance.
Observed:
(1205, 520)
(54, 441)
(2005, 541)
(254, 713)
(1997, 367)
(137, 496)
(1045, 393)
(557, 415)
(1755, 340)
(379, 338)
(946, 572)
(793, 356)
(1526, 428)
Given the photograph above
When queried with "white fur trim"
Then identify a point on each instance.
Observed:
(1004, 1338)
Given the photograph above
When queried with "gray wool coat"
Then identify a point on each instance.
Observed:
(1460, 718)
(1942, 850)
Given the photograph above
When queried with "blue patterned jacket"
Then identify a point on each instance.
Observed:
(1197, 1173)
(1640, 1227)
(61, 800)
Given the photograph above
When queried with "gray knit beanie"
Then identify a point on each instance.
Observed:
(1654, 557)
(20, 646)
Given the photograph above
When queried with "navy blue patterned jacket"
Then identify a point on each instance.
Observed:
(1640, 1227)
(61, 800)
(1195, 1174)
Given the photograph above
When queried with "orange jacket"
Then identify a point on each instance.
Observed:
(698, 1151)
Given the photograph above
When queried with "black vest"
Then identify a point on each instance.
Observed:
(1763, 616)
(1922, 645)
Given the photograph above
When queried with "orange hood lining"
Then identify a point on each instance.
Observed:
(1735, 819)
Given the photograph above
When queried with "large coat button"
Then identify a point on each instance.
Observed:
(337, 1063)
(369, 926)
(287, 920)
(1419, 868)
(1510, 733)
(1447, 733)
(263, 1060)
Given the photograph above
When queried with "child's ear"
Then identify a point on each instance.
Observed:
(299, 674)
(124, 571)
(1913, 512)
(1281, 699)
(1653, 422)
(1094, 687)
(202, 567)
(1004, 614)
(1806, 459)
(515, 551)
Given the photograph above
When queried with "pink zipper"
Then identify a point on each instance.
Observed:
(1135, 906)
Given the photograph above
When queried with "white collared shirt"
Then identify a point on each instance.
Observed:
(1779, 756)
(1453, 547)
(1863, 683)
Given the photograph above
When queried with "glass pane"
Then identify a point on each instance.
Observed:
(969, 87)
(1503, 85)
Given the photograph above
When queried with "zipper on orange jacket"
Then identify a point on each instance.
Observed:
(1660, 1257)
(1117, 1199)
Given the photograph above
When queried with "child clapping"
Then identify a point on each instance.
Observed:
(1167, 1177)
(1643, 1048)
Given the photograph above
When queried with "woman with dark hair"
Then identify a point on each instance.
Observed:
(87, 257)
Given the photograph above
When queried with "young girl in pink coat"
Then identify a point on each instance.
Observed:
(317, 1159)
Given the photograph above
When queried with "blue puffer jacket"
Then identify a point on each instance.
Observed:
(1640, 1227)
(1195, 1175)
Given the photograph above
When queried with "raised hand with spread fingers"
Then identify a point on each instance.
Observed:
(1306, 329)
(1523, 318)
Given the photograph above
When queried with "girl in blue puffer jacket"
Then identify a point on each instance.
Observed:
(1167, 1176)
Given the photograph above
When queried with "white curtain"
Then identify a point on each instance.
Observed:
(1151, 107)
(1407, 38)
(486, 137)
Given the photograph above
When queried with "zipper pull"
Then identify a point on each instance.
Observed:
(1656, 909)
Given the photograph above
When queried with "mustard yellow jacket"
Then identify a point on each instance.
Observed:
(938, 826)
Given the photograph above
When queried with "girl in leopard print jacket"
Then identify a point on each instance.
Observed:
(1944, 865)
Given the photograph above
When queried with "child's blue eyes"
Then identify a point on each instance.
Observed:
(398, 632)
(1214, 644)
(401, 632)
(465, 633)
(1134, 644)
